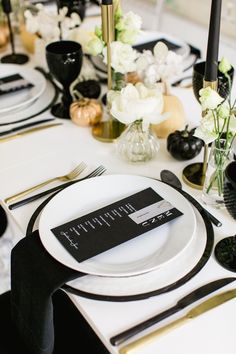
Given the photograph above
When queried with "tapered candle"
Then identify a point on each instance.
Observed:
(211, 67)
(6, 6)
(108, 34)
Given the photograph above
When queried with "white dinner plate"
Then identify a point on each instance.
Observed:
(139, 255)
(150, 281)
(21, 99)
(35, 107)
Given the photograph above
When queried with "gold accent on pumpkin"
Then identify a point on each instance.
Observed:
(86, 111)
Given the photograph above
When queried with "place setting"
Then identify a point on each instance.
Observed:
(122, 269)
(115, 237)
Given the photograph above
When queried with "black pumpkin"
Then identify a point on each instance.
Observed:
(182, 145)
(88, 88)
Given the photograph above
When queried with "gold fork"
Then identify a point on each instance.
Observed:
(68, 177)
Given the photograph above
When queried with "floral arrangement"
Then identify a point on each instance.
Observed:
(137, 103)
(218, 126)
(127, 28)
(50, 26)
(160, 65)
(219, 120)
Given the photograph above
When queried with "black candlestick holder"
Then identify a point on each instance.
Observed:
(13, 58)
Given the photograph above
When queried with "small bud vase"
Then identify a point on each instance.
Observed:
(221, 154)
(135, 145)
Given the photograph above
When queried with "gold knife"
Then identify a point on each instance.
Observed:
(195, 312)
(29, 131)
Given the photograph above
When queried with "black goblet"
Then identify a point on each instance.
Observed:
(194, 174)
(64, 59)
(198, 80)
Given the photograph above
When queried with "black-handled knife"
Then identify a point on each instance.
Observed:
(25, 126)
(181, 304)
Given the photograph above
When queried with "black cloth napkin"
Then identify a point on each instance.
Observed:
(35, 276)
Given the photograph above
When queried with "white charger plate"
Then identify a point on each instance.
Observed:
(35, 107)
(142, 254)
(151, 281)
(21, 99)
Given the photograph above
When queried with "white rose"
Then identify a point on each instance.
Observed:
(128, 27)
(123, 57)
(209, 98)
(129, 21)
(136, 102)
(94, 46)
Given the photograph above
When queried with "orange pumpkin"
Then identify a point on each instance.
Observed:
(86, 111)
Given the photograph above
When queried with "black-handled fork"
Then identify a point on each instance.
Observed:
(97, 172)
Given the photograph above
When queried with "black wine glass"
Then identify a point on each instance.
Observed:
(198, 80)
(64, 59)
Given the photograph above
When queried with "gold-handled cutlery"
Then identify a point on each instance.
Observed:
(185, 301)
(29, 131)
(68, 177)
(97, 172)
(195, 312)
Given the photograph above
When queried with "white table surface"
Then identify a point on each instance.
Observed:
(34, 158)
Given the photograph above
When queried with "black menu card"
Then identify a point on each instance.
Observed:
(13, 83)
(114, 224)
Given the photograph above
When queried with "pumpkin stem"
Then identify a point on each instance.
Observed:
(185, 132)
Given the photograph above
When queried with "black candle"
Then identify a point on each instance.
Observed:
(6, 6)
(211, 67)
(106, 2)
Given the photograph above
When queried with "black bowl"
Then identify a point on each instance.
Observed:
(198, 78)
(230, 188)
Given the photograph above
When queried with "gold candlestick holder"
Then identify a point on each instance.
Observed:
(195, 173)
(109, 130)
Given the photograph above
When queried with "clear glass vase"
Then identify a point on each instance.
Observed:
(135, 145)
(220, 156)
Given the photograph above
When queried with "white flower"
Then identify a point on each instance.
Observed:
(209, 98)
(45, 23)
(94, 46)
(160, 52)
(128, 27)
(224, 65)
(159, 65)
(123, 57)
(135, 102)
(206, 131)
(144, 60)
